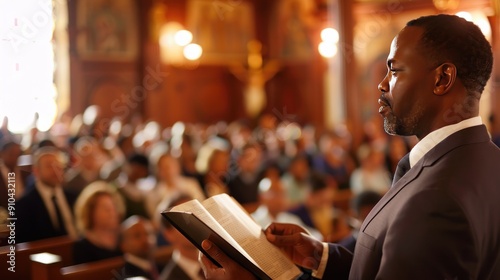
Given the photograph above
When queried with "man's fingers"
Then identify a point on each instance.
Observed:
(284, 229)
(206, 263)
(283, 240)
(215, 253)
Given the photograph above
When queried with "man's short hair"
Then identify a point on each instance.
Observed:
(449, 38)
(139, 159)
(48, 150)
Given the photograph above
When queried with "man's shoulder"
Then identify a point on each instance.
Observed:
(31, 196)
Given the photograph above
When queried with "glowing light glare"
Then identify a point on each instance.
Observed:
(176, 142)
(45, 258)
(485, 27)
(327, 49)
(178, 128)
(330, 35)
(183, 37)
(478, 19)
(26, 104)
(47, 113)
(168, 32)
(151, 131)
(465, 15)
(90, 114)
(193, 51)
(264, 185)
(115, 127)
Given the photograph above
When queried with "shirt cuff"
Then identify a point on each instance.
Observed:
(322, 264)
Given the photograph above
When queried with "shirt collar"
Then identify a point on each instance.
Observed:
(47, 192)
(435, 137)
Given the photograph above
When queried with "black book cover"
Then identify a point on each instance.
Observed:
(196, 231)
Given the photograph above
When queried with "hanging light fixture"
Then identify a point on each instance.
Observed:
(444, 5)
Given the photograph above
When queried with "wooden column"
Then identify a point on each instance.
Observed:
(348, 70)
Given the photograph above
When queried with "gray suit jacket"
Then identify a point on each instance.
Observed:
(439, 221)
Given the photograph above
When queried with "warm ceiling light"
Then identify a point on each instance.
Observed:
(330, 35)
(327, 49)
(183, 37)
(192, 51)
(444, 5)
(465, 15)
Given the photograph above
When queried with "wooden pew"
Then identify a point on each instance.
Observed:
(61, 246)
(100, 270)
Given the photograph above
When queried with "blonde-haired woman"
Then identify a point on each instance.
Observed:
(99, 211)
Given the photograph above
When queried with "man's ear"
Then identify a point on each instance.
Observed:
(446, 74)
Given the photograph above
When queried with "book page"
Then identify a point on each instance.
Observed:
(236, 221)
(195, 207)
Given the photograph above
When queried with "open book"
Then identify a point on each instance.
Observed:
(223, 221)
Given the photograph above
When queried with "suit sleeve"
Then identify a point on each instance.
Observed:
(429, 239)
(338, 264)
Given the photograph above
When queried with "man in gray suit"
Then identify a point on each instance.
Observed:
(441, 217)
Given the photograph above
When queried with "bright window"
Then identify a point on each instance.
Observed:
(27, 90)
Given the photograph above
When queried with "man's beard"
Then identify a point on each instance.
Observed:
(390, 124)
(400, 126)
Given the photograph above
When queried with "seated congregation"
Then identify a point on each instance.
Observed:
(102, 192)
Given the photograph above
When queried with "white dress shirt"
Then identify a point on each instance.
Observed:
(438, 135)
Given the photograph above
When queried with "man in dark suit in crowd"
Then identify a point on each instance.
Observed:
(244, 186)
(45, 210)
(137, 244)
(441, 217)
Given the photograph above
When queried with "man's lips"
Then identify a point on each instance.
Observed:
(384, 105)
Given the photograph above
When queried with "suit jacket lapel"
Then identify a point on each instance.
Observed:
(475, 134)
(393, 191)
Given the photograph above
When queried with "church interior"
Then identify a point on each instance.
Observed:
(119, 109)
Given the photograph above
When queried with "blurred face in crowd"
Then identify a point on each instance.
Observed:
(50, 170)
(180, 242)
(138, 239)
(272, 196)
(219, 162)
(300, 169)
(105, 214)
(168, 168)
(322, 198)
(136, 171)
(250, 159)
(90, 155)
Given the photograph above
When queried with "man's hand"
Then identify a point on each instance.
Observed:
(303, 249)
(230, 270)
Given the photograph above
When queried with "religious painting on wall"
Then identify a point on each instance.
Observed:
(290, 31)
(107, 29)
(222, 28)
